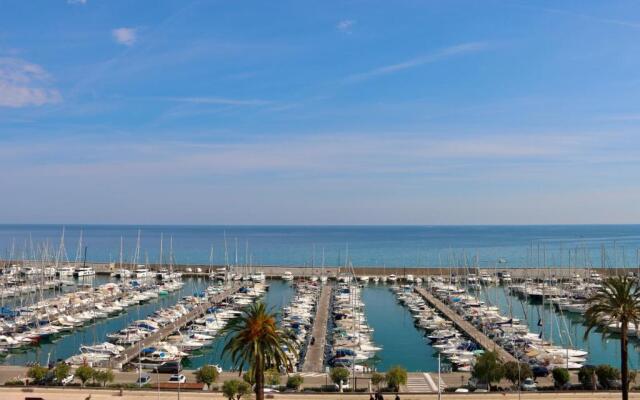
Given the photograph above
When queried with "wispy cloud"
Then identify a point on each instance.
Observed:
(611, 21)
(125, 36)
(217, 100)
(439, 55)
(345, 25)
(76, 1)
(25, 84)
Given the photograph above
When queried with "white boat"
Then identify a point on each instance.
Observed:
(258, 277)
(287, 276)
(142, 272)
(65, 271)
(123, 273)
(392, 278)
(84, 271)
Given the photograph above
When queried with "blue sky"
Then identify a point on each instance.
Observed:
(332, 112)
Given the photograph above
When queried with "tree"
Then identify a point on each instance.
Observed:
(295, 381)
(243, 389)
(103, 376)
(249, 377)
(560, 377)
(517, 372)
(255, 341)
(207, 374)
(395, 377)
(230, 388)
(606, 374)
(377, 379)
(617, 301)
(339, 376)
(37, 372)
(272, 377)
(488, 368)
(84, 373)
(586, 376)
(61, 371)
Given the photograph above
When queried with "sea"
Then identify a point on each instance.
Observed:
(397, 246)
(411, 246)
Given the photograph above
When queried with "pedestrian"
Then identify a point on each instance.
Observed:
(371, 396)
(381, 396)
(397, 396)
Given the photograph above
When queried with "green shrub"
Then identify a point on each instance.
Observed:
(561, 377)
(488, 368)
(606, 373)
(37, 372)
(396, 377)
(61, 371)
(377, 379)
(243, 389)
(84, 373)
(517, 372)
(14, 382)
(272, 377)
(230, 388)
(295, 381)
(207, 374)
(339, 375)
(585, 376)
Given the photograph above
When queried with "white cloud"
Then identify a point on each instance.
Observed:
(439, 55)
(217, 100)
(125, 36)
(345, 25)
(25, 84)
(76, 1)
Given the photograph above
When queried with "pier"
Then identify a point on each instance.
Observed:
(465, 326)
(133, 351)
(314, 358)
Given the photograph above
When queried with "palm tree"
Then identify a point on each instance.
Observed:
(617, 300)
(256, 342)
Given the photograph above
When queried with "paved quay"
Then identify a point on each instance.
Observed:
(95, 394)
(314, 358)
(465, 326)
(133, 351)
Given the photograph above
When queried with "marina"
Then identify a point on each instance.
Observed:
(360, 317)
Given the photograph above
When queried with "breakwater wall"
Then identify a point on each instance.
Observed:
(276, 271)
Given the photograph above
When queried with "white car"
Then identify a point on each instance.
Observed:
(528, 385)
(67, 380)
(178, 379)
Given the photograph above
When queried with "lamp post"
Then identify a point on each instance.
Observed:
(439, 379)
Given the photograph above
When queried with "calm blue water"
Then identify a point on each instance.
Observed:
(367, 245)
(402, 343)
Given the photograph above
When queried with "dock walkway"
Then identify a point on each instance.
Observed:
(466, 327)
(314, 358)
(133, 351)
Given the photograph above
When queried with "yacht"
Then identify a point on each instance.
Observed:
(65, 271)
(84, 271)
(287, 276)
(258, 277)
(142, 272)
(123, 273)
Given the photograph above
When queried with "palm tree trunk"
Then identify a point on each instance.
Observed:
(259, 378)
(624, 369)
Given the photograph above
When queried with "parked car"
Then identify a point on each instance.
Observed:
(67, 380)
(539, 371)
(169, 367)
(528, 385)
(143, 380)
(177, 378)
